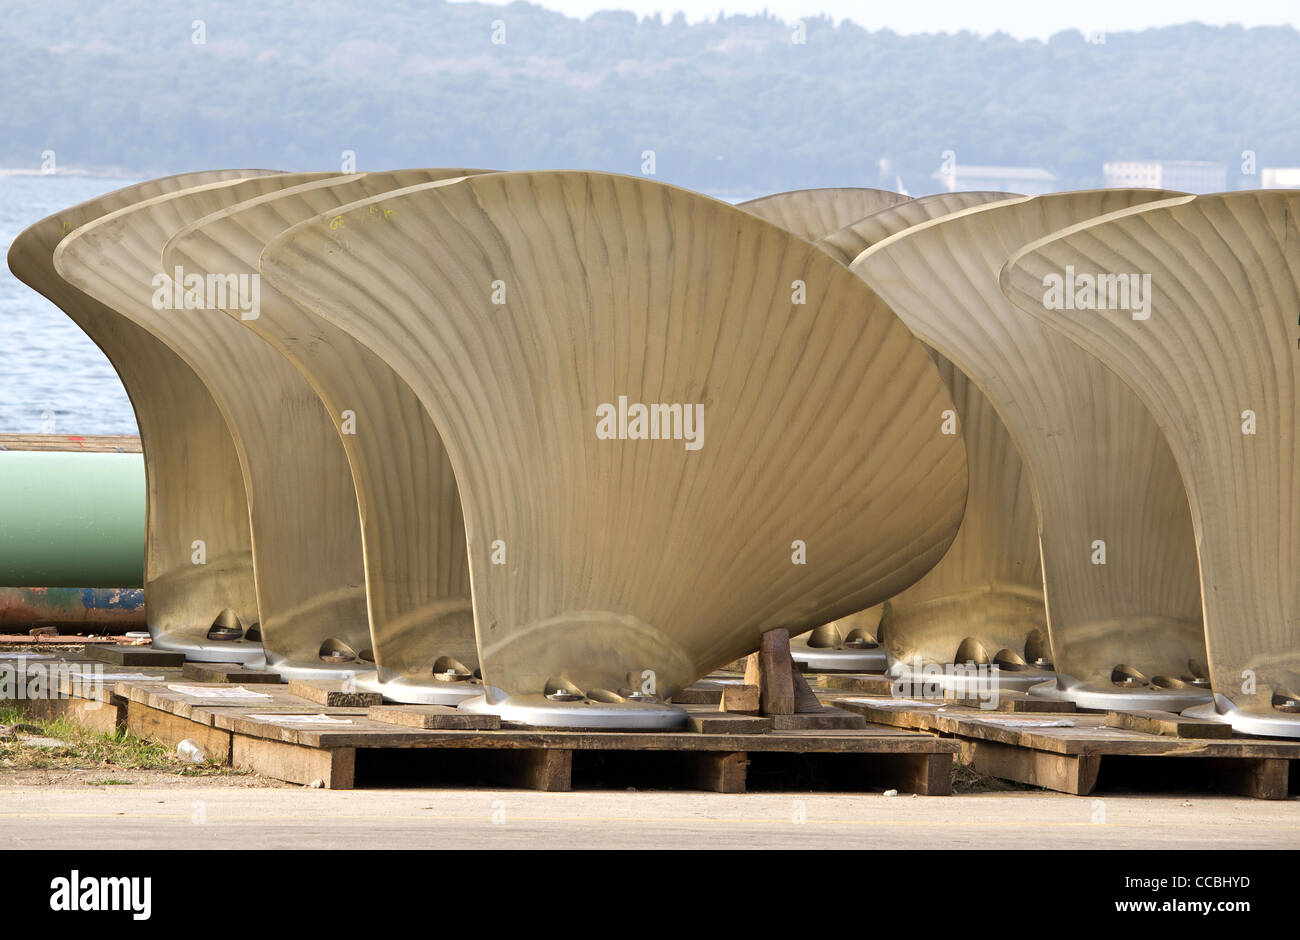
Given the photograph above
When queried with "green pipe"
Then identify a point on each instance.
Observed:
(71, 519)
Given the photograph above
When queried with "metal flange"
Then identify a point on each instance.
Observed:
(957, 678)
(842, 659)
(1222, 709)
(1069, 689)
(575, 711)
(202, 650)
(407, 691)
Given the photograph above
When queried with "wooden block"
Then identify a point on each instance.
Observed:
(719, 772)
(698, 695)
(742, 699)
(549, 769)
(926, 774)
(334, 767)
(334, 693)
(1263, 778)
(826, 719)
(433, 717)
(1065, 773)
(133, 655)
(775, 682)
(728, 723)
(1167, 723)
(232, 673)
(171, 730)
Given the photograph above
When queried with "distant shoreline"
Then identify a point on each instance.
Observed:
(114, 174)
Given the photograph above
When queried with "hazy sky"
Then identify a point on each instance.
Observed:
(1021, 18)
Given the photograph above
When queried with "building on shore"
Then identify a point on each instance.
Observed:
(1026, 180)
(1184, 176)
(1279, 178)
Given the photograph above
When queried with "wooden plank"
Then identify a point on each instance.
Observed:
(334, 767)
(133, 655)
(171, 730)
(863, 683)
(81, 443)
(892, 713)
(334, 693)
(740, 699)
(698, 694)
(230, 673)
(728, 723)
(719, 772)
(430, 717)
(1167, 723)
(825, 719)
(1066, 773)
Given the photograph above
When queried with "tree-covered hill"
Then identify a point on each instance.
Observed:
(735, 105)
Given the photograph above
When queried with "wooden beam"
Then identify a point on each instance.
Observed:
(171, 730)
(334, 767)
(1167, 723)
(431, 717)
(742, 699)
(719, 772)
(1065, 773)
(334, 693)
(120, 655)
(232, 673)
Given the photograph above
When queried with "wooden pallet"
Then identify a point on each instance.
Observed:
(264, 731)
(1067, 751)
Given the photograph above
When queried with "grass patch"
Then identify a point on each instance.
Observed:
(88, 750)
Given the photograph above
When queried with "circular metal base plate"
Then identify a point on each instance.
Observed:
(290, 669)
(205, 650)
(1069, 689)
(538, 711)
(407, 691)
(813, 659)
(1244, 722)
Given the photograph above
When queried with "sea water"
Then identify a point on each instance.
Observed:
(53, 379)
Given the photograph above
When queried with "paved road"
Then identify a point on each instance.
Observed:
(214, 816)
